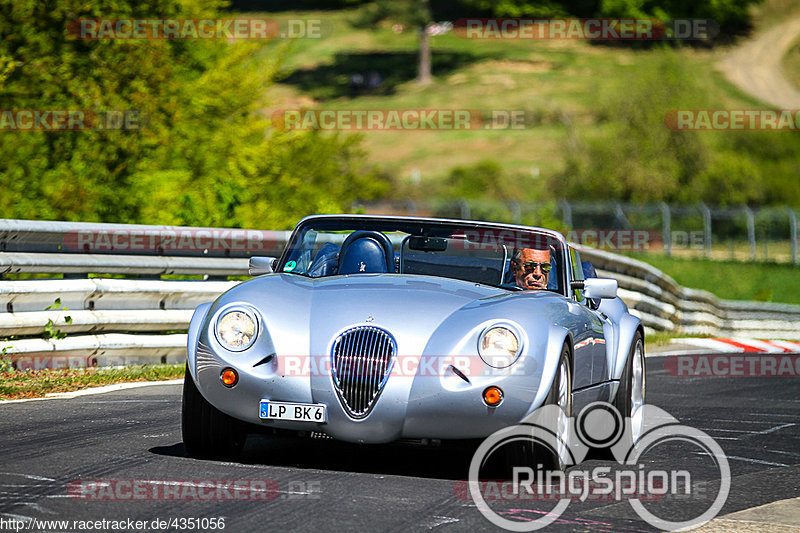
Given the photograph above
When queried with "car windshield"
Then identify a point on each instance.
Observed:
(322, 247)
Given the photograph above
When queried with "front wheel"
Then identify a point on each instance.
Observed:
(631, 393)
(561, 396)
(532, 452)
(207, 431)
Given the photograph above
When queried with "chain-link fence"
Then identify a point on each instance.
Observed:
(722, 233)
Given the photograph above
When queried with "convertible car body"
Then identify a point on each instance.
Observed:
(378, 329)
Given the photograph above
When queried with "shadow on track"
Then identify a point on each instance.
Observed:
(448, 461)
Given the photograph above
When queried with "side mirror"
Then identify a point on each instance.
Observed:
(262, 265)
(600, 288)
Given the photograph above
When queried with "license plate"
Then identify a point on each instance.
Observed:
(298, 412)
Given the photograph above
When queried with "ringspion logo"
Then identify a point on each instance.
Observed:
(634, 477)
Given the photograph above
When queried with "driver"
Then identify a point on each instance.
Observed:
(531, 268)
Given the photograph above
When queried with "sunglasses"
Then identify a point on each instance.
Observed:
(531, 266)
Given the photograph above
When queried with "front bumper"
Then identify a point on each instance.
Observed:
(440, 406)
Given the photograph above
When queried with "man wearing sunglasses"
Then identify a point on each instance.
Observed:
(531, 268)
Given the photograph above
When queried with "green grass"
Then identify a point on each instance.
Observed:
(732, 280)
(791, 64)
(562, 84)
(37, 383)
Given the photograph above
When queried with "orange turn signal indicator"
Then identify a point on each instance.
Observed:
(493, 396)
(229, 377)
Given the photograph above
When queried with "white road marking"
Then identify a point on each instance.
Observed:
(28, 476)
(729, 430)
(776, 428)
(757, 461)
(793, 454)
(19, 517)
(37, 507)
(437, 521)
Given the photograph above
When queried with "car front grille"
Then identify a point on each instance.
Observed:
(362, 360)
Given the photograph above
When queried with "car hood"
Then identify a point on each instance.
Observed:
(303, 315)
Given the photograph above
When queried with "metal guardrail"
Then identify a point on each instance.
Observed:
(663, 305)
(723, 233)
(84, 247)
(123, 321)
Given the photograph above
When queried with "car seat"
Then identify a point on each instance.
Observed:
(365, 252)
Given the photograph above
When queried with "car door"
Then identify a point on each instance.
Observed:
(594, 336)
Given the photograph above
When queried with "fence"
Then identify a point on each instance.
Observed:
(122, 321)
(723, 233)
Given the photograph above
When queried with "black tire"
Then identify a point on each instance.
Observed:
(525, 453)
(207, 431)
(624, 401)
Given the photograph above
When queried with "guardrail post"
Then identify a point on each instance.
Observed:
(706, 228)
(566, 212)
(793, 233)
(666, 221)
(465, 211)
(619, 214)
(751, 232)
(516, 212)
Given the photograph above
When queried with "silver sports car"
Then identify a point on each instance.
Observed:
(375, 329)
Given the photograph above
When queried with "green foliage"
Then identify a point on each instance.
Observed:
(485, 179)
(413, 13)
(731, 16)
(203, 143)
(631, 155)
(732, 280)
(51, 331)
(6, 365)
(518, 8)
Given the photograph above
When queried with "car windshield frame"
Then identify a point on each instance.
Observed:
(479, 234)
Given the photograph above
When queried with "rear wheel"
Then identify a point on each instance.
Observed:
(631, 393)
(207, 431)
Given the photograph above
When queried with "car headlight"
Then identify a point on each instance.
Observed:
(498, 347)
(237, 329)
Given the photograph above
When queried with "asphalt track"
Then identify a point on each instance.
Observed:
(46, 446)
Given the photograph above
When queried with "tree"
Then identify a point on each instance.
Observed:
(416, 14)
(203, 152)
